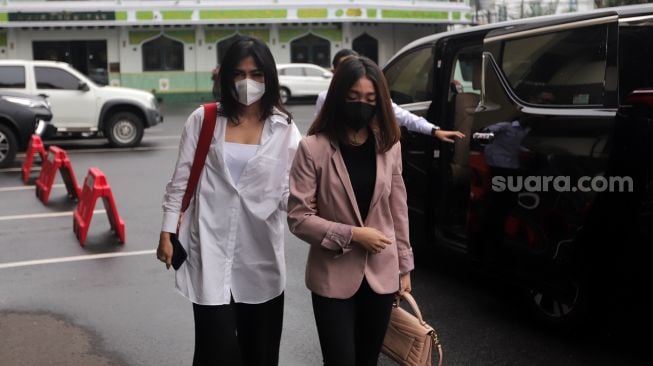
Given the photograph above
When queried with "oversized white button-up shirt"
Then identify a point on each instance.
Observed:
(233, 233)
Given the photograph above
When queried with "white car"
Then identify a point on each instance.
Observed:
(302, 80)
(79, 106)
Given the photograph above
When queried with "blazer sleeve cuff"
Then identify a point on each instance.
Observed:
(406, 260)
(170, 220)
(338, 238)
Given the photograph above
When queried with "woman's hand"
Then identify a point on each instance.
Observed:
(448, 136)
(404, 283)
(164, 251)
(312, 204)
(371, 239)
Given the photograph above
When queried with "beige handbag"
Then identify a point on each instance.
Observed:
(409, 340)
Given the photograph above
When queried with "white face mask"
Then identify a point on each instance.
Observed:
(249, 91)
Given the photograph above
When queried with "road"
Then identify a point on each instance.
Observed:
(60, 304)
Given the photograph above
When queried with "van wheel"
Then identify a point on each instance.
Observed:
(285, 94)
(8, 146)
(560, 304)
(124, 129)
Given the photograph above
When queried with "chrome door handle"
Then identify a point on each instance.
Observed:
(483, 137)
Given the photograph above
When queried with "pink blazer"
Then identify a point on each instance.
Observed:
(336, 265)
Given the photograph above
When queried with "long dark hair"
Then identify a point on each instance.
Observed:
(242, 48)
(331, 119)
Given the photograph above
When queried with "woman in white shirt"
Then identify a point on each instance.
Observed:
(233, 228)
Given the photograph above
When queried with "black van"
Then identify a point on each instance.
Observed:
(553, 185)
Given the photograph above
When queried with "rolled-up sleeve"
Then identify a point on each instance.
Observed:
(176, 187)
(304, 221)
(399, 211)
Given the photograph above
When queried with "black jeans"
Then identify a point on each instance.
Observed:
(351, 331)
(238, 334)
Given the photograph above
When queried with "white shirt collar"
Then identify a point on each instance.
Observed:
(278, 116)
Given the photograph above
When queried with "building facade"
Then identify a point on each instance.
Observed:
(492, 11)
(170, 47)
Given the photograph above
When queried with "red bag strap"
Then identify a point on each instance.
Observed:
(206, 135)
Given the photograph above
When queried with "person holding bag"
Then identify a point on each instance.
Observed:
(358, 233)
(232, 229)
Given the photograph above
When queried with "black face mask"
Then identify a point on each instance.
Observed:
(359, 114)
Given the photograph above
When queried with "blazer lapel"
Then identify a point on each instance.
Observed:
(341, 169)
(378, 183)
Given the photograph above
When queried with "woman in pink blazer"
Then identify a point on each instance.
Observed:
(359, 255)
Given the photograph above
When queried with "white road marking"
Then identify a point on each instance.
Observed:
(74, 259)
(41, 215)
(113, 149)
(24, 188)
(18, 169)
(162, 137)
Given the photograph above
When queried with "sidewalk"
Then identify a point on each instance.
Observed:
(35, 339)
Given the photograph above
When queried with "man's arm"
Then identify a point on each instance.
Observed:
(418, 124)
(319, 103)
(413, 122)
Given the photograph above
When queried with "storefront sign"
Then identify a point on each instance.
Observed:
(62, 16)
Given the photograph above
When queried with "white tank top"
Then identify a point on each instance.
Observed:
(237, 156)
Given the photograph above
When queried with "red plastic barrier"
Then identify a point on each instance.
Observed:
(96, 186)
(35, 146)
(57, 160)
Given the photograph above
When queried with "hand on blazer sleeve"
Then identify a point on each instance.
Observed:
(303, 220)
(399, 212)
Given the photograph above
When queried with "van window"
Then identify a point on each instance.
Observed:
(12, 77)
(635, 59)
(561, 68)
(55, 78)
(410, 77)
(466, 76)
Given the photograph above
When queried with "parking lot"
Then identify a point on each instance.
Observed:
(113, 304)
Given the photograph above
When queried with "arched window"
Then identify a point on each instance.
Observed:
(311, 49)
(367, 46)
(163, 54)
(224, 45)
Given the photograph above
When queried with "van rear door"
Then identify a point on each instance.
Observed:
(549, 98)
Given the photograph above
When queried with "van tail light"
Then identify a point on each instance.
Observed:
(639, 97)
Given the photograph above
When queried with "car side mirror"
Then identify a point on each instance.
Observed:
(327, 75)
(83, 86)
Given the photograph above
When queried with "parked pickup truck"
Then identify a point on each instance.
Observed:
(79, 106)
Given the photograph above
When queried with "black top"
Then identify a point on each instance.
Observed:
(361, 166)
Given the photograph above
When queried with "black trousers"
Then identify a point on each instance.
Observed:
(351, 331)
(238, 334)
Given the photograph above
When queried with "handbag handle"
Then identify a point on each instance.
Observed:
(413, 305)
(201, 150)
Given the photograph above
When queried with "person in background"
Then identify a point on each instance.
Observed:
(360, 255)
(233, 230)
(405, 118)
